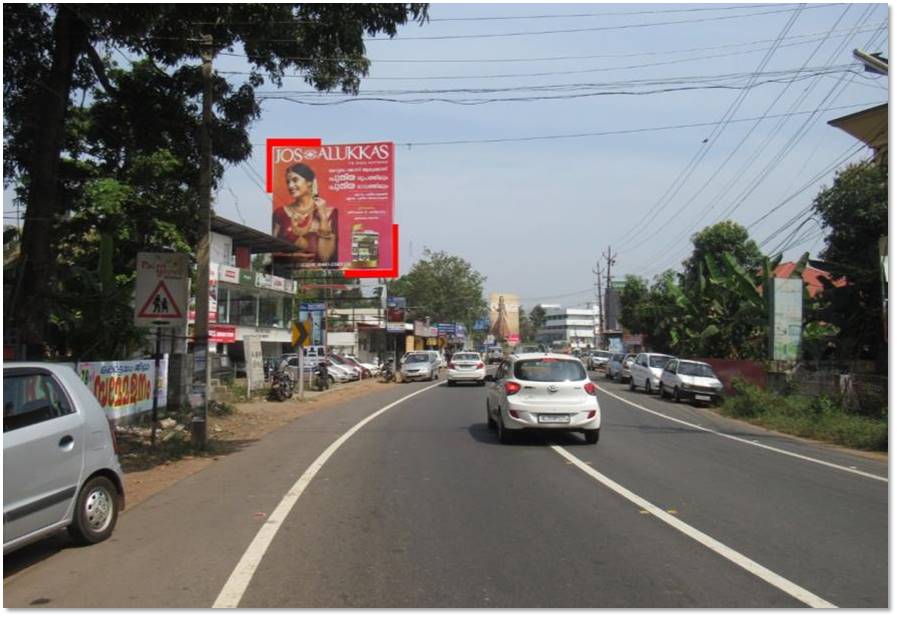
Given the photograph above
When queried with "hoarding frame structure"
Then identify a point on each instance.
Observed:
(369, 215)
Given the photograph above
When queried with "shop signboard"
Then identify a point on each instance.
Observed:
(229, 274)
(335, 203)
(220, 333)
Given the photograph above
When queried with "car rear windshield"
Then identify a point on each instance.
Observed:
(659, 361)
(417, 357)
(465, 357)
(695, 370)
(549, 369)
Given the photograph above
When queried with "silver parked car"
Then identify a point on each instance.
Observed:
(614, 366)
(420, 365)
(689, 379)
(60, 459)
(646, 371)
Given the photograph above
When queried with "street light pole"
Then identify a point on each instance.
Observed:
(200, 399)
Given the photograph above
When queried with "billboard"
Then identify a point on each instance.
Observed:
(504, 317)
(124, 388)
(334, 203)
(786, 318)
(395, 314)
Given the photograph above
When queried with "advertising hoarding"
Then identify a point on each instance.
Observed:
(335, 203)
(504, 317)
(786, 316)
(125, 388)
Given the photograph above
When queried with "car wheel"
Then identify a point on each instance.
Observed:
(648, 387)
(676, 396)
(632, 385)
(504, 435)
(449, 383)
(96, 511)
(481, 383)
(490, 422)
(592, 435)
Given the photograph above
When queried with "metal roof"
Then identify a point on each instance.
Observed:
(256, 241)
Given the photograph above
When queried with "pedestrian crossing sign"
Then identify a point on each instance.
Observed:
(160, 305)
(161, 289)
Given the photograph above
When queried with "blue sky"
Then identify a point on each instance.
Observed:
(534, 216)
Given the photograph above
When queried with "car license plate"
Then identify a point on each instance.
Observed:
(702, 397)
(554, 418)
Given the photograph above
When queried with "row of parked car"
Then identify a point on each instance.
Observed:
(341, 368)
(666, 375)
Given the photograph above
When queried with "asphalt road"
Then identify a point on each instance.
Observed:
(422, 507)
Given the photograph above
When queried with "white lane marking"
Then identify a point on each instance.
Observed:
(732, 555)
(236, 585)
(750, 443)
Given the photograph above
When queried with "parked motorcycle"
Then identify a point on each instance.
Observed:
(282, 385)
(389, 373)
(322, 377)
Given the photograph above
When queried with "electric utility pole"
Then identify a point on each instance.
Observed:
(597, 273)
(200, 390)
(611, 260)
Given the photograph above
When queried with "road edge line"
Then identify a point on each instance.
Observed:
(745, 441)
(237, 583)
(792, 589)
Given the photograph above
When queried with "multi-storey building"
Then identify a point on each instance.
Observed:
(573, 327)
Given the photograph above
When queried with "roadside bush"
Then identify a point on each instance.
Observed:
(819, 417)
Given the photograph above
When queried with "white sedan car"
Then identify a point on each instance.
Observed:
(543, 391)
(466, 366)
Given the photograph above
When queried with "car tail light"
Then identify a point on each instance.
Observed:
(480, 365)
(591, 389)
(511, 387)
(451, 365)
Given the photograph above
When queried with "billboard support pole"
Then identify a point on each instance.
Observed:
(156, 359)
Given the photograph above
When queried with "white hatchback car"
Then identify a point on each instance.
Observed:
(543, 391)
(645, 371)
(690, 379)
(466, 366)
(60, 459)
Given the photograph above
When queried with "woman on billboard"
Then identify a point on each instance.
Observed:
(307, 221)
(501, 329)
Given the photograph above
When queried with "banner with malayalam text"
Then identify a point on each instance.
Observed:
(124, 388)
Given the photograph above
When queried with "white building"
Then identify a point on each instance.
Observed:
(576, 327)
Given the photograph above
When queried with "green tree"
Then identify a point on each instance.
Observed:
(56, 56)
(723, 237)
(444, 288)
(855, 212)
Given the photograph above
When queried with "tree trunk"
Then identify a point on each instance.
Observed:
(43, 201)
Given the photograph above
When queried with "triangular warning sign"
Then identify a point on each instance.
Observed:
(160, 305)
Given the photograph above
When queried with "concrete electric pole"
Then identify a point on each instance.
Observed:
(200, 389)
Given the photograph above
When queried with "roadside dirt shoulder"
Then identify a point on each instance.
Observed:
(147, 473)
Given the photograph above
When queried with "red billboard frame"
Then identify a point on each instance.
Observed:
(315, 142)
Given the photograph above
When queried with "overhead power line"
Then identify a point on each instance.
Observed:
(604, 69)
(810, 36)
(592, 29)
